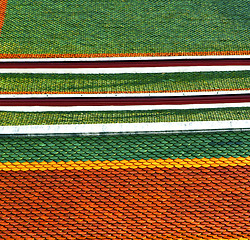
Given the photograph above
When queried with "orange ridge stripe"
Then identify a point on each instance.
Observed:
(115, 92)
(97, 55)
(3, 6)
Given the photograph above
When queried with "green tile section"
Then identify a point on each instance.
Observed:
(48, 118)
(115, 83)
(128, 147)
(143, 26)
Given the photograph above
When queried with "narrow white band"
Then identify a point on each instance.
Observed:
(122, 58)
(166, 94)
(125, 127)
(120, 108)
(126, 70)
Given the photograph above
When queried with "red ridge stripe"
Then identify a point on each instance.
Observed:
(123, 64)
(125, 92)
(109, 101)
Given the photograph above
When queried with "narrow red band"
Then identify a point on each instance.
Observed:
(127, 64)
(126, 101)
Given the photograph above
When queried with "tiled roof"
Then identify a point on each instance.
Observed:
(124, 28)
(164, 186)
(124, 120)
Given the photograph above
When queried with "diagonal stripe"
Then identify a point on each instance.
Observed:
(124, 164)
(3, 5)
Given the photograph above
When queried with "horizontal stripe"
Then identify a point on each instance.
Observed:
(121, 108)
(124, 164)
(125, 70)
(123, 58)
(12, 118)
(107, 55)
(115, 94)
(126, 101)
(125, 127)
(123, 84)
(128, 64)
(202, 145)
(159, 203)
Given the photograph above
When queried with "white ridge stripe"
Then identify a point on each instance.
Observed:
(125, 127)
(126, 70)
(165, 94)
(119, 108)
(122, 58)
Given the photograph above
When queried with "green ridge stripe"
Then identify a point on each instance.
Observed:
(128, 147)
(108, 83)
(89, 27)
(50, 118)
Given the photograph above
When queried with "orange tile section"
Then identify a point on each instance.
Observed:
(124, 54)
(3, 5)
(158, 203)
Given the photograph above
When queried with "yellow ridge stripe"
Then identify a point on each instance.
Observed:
(103, 55)
(150, 163)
